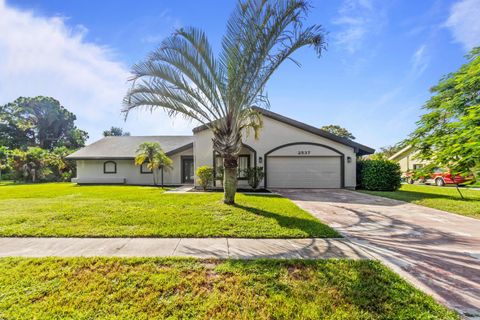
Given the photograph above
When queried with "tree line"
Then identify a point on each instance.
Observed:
(36, 136)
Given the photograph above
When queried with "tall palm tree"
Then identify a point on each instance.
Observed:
(152, 154)
(184, 77)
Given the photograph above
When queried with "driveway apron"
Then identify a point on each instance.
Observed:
(437, 251)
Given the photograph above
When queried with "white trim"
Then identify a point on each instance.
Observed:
(400, 152)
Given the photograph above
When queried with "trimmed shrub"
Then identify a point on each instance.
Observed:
(378, 175)
(255, 175)
(205, 176)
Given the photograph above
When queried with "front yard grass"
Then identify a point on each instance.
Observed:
(68, 210)
(443, 198)
(92, 288)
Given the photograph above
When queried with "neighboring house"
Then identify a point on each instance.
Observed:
(407, 159)
(293, 154)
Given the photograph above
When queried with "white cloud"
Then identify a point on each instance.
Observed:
(387, 97)
(464, 22)
(420, 61)
(357, 19)
(44, 56)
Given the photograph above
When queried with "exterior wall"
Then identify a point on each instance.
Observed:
(272, 135)
(407, 161)
(290, 151)
(174, 176)
(91, 171)
(242, 183)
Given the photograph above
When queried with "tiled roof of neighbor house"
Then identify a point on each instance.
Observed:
(125, 147)
(360, 149)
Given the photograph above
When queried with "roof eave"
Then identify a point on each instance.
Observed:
(399, 153)
(360, 149)
(98, 158)
(180, 149)
(169, 153)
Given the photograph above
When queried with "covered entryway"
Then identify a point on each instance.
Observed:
(304, 165)
(188, 172)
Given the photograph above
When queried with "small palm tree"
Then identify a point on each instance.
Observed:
(152, 154)
(162, 162)
(183, 76)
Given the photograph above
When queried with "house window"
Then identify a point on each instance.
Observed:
(109, 167)
(218, 166)
(417, 166)
(243, 165)
(144, 168)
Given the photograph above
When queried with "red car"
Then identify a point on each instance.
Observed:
(441, 178)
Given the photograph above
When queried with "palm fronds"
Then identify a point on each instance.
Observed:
(183, 76)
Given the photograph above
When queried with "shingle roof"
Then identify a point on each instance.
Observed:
(125, 147)
(360, 149)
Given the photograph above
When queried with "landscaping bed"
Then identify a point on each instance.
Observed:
(92, 288)
(69, 210)
(443, 198)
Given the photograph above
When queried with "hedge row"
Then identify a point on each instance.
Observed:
(378, 175)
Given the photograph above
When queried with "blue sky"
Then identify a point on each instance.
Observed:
(382, 58)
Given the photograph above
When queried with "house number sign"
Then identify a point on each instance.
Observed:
(303, 152)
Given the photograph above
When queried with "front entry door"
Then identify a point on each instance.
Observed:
(187, 170)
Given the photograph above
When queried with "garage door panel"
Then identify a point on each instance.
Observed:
(303, 172)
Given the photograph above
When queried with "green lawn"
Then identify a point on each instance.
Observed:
(443, 198)
(64, 209)
(92, 288)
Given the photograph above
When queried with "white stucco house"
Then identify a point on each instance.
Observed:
(293, 155)
(407, 159)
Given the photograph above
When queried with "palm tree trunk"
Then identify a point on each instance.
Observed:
(230, 165)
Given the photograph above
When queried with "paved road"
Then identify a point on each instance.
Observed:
(184, 247)
(437, 251)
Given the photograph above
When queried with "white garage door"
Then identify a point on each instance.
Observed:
(303, 172)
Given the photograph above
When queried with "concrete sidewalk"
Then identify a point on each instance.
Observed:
(234, 248)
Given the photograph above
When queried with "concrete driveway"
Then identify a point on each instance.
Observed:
(439, 252)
